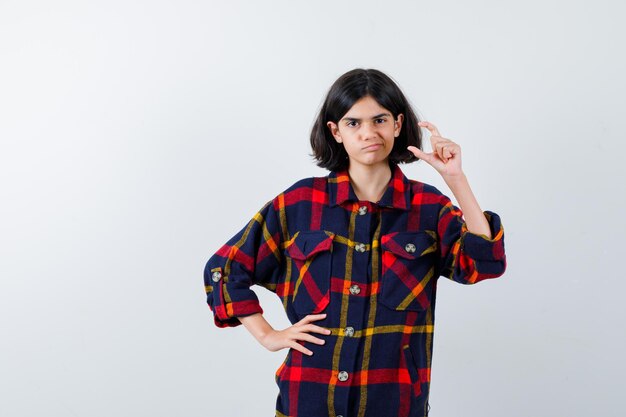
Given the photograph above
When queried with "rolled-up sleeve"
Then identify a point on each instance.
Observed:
(468, 257)
(252, 256)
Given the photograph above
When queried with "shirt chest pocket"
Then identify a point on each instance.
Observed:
(310, 254)
(408, 269)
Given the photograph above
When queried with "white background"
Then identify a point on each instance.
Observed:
(138, 136)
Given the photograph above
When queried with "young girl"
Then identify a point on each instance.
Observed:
(355, 257)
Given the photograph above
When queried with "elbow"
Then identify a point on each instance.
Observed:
(474, 271)
(490, 270)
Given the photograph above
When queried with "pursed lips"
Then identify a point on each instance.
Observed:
(373, 144)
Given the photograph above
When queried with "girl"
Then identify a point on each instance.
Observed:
(355, 257)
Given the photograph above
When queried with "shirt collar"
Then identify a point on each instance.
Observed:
(397, 195)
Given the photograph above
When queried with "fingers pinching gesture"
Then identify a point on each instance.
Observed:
(446, 154)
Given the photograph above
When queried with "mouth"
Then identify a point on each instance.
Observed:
(373, 147)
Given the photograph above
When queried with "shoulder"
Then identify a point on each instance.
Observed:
(302, 189)
(425, 193)
(419, 187)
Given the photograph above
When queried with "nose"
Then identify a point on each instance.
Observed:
(368, 130)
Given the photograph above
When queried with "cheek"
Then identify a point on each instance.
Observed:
(349, 146)
(390, 142)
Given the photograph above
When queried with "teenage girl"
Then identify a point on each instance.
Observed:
(355, 257)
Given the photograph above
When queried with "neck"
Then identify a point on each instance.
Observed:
(369, 181)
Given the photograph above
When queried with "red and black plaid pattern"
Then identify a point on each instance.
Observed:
(373, 268)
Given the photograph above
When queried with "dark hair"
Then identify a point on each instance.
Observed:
(347, 90)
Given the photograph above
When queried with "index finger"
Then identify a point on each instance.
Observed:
(432, 128)
(313, 317)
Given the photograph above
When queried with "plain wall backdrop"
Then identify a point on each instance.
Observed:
(138, 136)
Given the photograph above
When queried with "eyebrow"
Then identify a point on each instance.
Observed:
(354, 119)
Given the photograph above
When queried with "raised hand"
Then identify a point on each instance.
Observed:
(288, 338)
(446, 155)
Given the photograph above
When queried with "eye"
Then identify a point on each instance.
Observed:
(351, 123)
(381, 120)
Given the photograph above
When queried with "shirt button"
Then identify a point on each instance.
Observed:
(409, 247)
(216, 276)
(349, 331)
(343, 376)
(362, 210)
(360, 247)
(355, 289)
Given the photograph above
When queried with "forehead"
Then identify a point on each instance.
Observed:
(365, 107)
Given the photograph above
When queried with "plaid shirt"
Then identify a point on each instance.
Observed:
(373, 268)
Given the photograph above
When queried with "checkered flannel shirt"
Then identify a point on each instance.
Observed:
(373, 268)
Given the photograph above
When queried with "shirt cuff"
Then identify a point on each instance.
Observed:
(231, 299)
(479, 247)
(233, 321)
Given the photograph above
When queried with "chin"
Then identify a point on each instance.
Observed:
(372, 162)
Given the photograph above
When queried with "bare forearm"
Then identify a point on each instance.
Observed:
(256, 325)
(474, 217)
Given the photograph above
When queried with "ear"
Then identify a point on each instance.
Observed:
(398, 125)
(334, 130)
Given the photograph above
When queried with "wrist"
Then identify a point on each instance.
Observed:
(257, 326)
(264, 334)
(455, 180)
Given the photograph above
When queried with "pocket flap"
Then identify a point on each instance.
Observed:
(410, 245)
(305, 244)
